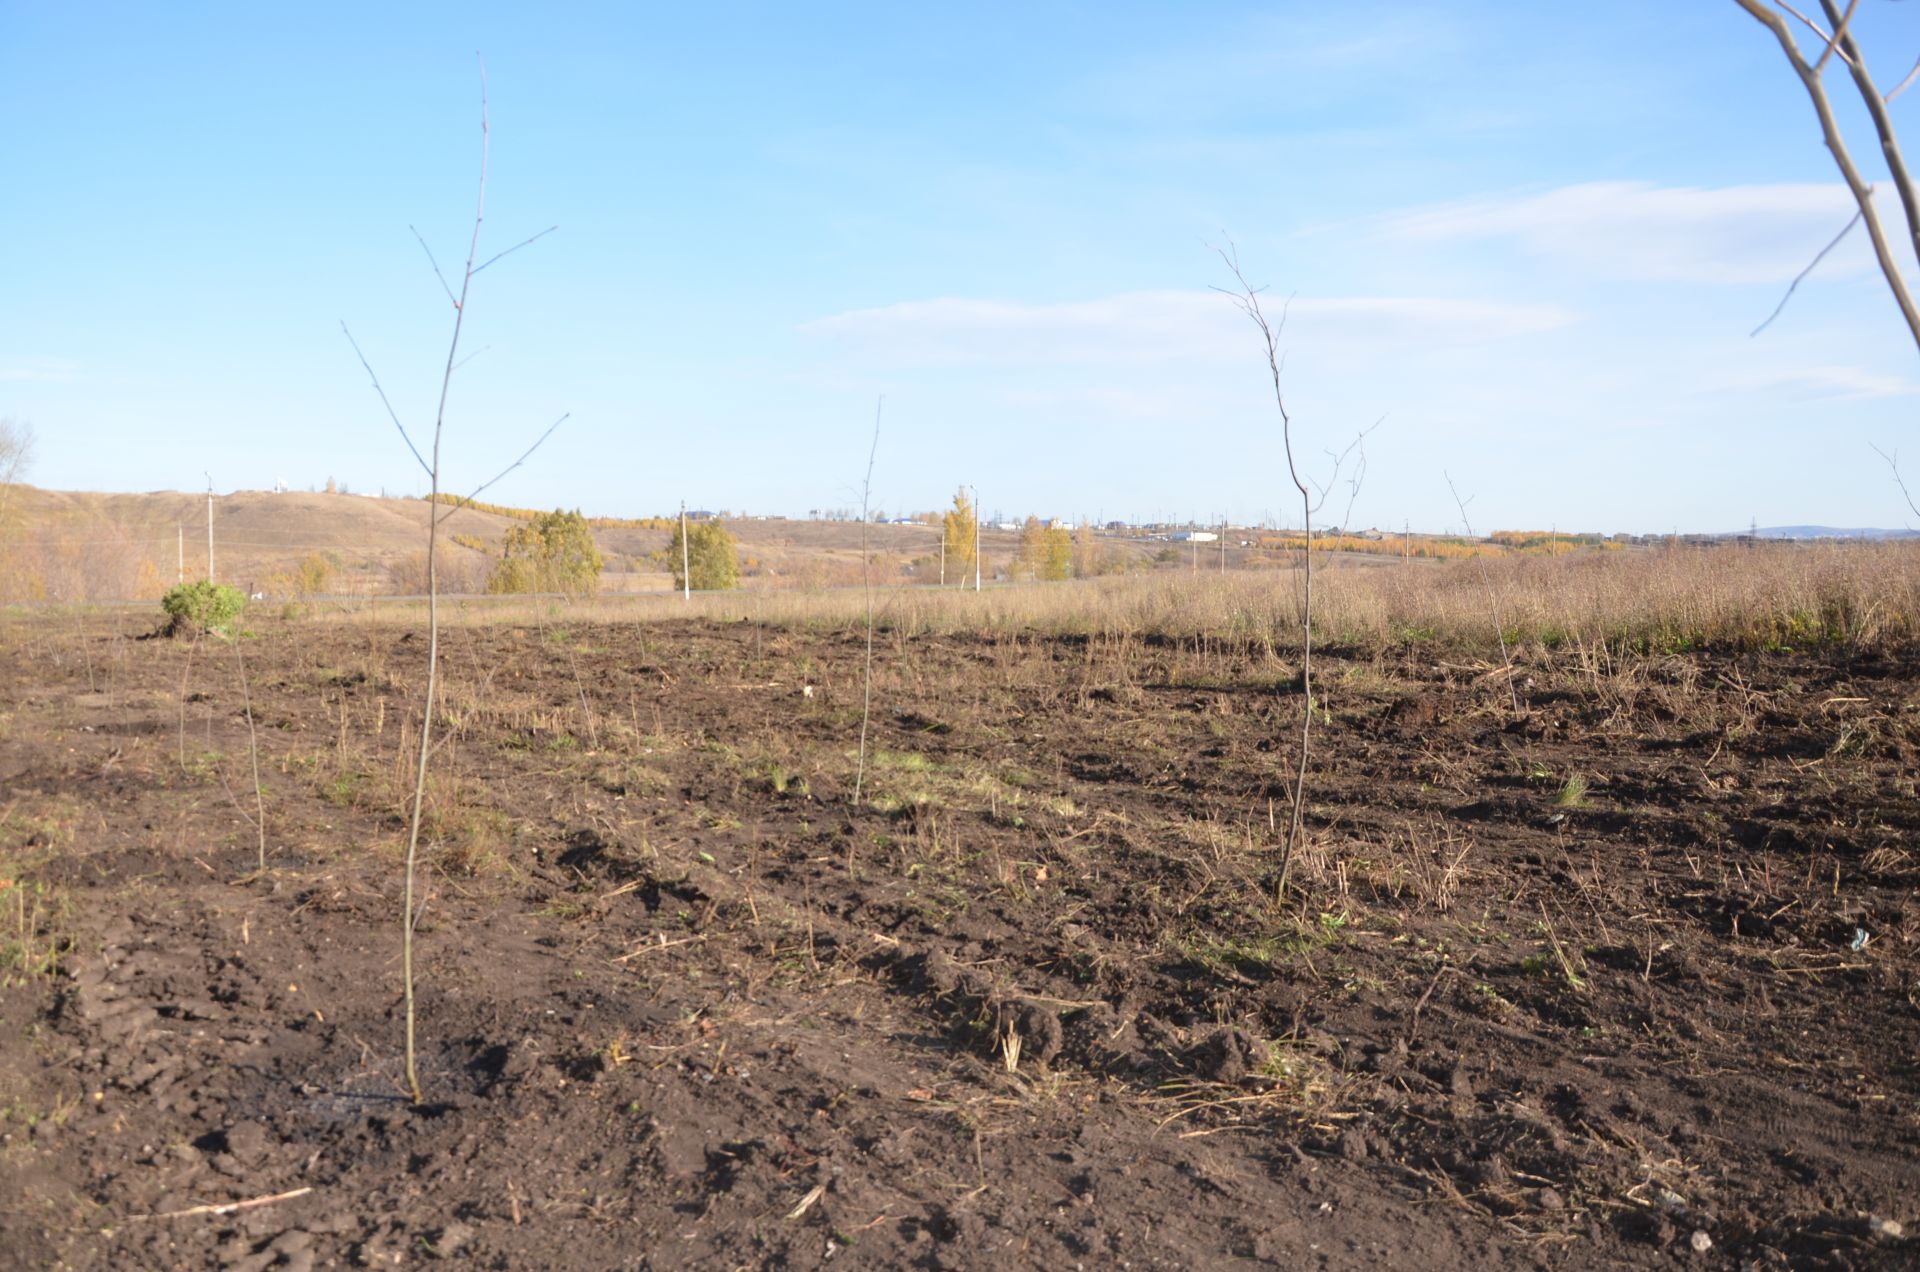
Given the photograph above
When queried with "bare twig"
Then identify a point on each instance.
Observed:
(1810, 79)
(436, 267)
(1801, 276)
(470, 357)
(1893, 462)
(1904, 84)
(227, 1208)
(1805, 21)
(383, 399)
(1839, 34)
(466, 500)
(516, 247)
(1876, 105)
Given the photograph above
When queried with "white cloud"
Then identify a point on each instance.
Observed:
(15, 370)
(1829, 384)
(1164, 327)
(1733, 234)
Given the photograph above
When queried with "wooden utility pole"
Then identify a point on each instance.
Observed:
(209, 477)
(686, 569)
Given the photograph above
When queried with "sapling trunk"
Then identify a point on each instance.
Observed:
(409, 916)
(866, 580)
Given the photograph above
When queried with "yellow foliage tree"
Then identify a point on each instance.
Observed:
(1057, 562)
(960, 528)
(553, 553)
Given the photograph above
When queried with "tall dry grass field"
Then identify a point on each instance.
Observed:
(1768, 596)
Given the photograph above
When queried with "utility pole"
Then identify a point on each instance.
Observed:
(209, 477)
(1223, 545)
(686, 569)
(976, 537)
(943, 556)
(180, 534)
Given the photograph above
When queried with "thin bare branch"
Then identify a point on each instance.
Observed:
(1801, 276)
(1818, 30)
(1904, 84)
(481, 489)
(1360, 470)
(1839, 34)
(436, 267)
(1876, 106)
(516, 247)
(470, 357)
(427, 468)
(1893, 462)
(1843, 159)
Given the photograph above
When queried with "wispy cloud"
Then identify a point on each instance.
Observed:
(1730, 234)
(1829, 384)
(1163, 326)
(15, 370)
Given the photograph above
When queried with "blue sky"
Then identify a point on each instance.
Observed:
(1528, 238)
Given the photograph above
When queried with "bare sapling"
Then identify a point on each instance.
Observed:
(253, 751)
(1246, 298)
(431, 464)
(866, 583)
(1493, 599)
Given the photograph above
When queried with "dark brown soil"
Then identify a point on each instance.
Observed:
(1040, 1002)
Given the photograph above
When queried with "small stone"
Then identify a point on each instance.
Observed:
(1886, 1229)
(1549, 1199)
(1700, 1241)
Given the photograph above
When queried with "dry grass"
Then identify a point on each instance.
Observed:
(1773, 596)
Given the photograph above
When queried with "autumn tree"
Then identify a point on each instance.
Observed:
(1056, 560)
(1089, 558)
(712, 557)
(1032, 552)
(961, 529)
(554, 552)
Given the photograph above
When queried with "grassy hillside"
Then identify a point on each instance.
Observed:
(82, 545)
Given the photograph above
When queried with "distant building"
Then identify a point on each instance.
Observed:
(1193, 536)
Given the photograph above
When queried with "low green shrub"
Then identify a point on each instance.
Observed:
(206, 606)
